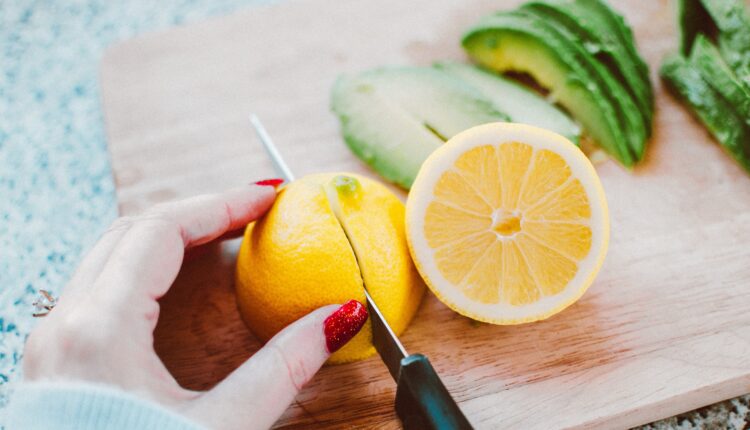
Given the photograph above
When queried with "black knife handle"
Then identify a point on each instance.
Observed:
(422, 401)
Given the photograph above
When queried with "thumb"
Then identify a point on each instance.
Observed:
(256, 394)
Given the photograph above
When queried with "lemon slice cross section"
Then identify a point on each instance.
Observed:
(507, 223)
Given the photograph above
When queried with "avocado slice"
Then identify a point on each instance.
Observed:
(706, 58)
(636, 127)
(605, 36)
(518, 41)
(709, 106)
(393, 118)
(614, 22)
(520, 103)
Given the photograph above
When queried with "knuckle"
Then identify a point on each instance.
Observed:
(120, 224)
(157, 221)
(73, 338)
(159, 210)
(80, 334)
(155, 218)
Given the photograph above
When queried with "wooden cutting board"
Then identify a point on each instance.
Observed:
(665, 328)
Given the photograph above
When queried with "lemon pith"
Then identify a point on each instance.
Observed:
(299, 257)
(507, 223)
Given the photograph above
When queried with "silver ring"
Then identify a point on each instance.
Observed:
(44, 303)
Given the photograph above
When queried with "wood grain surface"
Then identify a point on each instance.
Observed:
(664, 329)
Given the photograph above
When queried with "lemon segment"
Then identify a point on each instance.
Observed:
(507, 223)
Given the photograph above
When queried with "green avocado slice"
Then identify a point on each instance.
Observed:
(519, 41)
(595, 76)
(707, 59)
(637, 129)
(393, 118)
(616, 23)
(605, 36)
(709, 106)
(520, 103)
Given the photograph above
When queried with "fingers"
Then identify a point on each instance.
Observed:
(258, 392)
(204, 218)
(148, 256)
(197, 251)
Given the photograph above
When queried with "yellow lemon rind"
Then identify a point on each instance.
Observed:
(251, 264)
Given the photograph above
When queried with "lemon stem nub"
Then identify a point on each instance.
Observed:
(347, 187)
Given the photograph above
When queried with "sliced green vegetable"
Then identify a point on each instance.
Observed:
(725, 21)
(393, 118)
(636, 129)
(733, 22)
(707, 59)
(605, 36)
(520, 103)
(712, 109)
(514, 44)
(693, 19)
(522, 42)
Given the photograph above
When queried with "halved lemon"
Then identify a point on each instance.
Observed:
(507, 223)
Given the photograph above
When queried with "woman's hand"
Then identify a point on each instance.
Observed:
(102, 327)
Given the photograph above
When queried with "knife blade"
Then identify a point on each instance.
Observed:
(422, 401)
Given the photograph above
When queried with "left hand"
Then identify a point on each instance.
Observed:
(102, 328)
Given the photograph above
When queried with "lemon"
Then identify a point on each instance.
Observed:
(507, 223)
(324, 236)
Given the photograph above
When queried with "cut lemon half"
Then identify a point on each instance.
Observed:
(507, 223)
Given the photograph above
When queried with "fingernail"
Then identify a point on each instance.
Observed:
(274, 182)
(342, 325)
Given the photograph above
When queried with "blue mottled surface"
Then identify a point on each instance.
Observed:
(56, 189)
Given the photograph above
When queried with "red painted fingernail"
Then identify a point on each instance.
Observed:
(342, 325)
(275, 182)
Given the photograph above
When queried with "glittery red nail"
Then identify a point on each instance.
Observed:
(342, 325)
(270, 182)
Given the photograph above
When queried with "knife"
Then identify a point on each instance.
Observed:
(422, 401)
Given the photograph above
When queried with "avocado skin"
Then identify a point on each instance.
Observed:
(710, 107)
(628, 112)
(693, 19)
(605, 35)
(601, 8)
(708, 61)
(520, 24)
(725, 21)
(733, 23)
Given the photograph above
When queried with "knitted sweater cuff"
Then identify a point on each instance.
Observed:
(83, 406)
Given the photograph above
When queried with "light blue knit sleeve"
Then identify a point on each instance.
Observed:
(36, 406)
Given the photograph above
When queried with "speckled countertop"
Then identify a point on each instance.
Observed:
(56, 189)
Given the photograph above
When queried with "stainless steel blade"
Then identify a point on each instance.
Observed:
(273, 153)
(385, 340)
